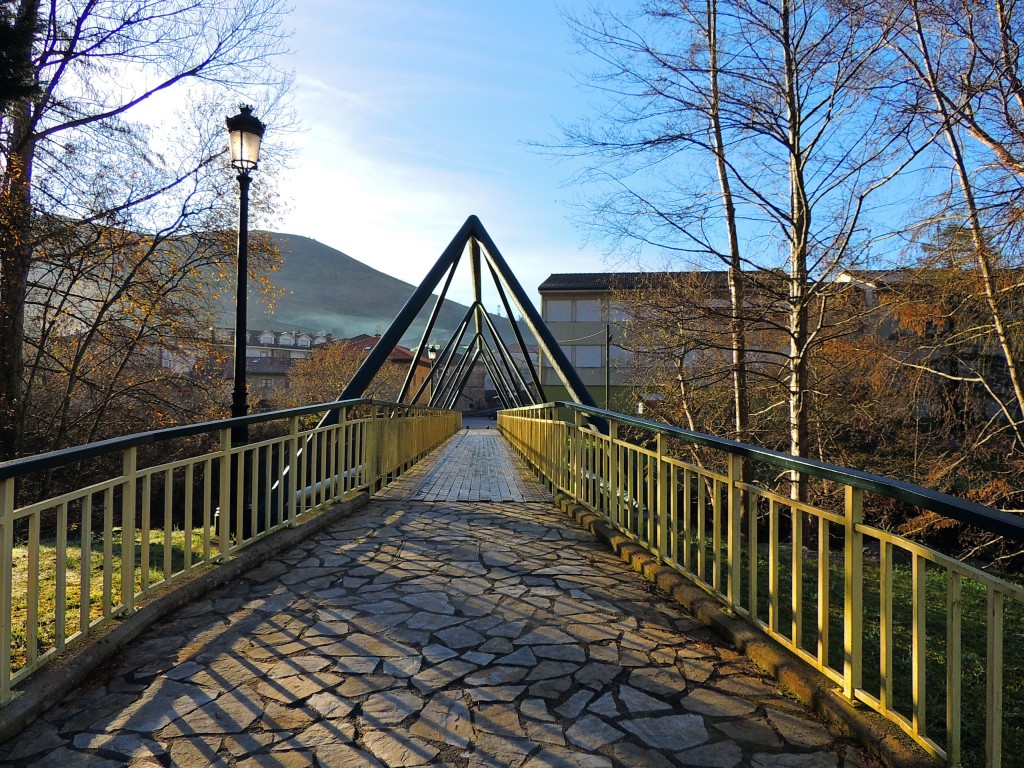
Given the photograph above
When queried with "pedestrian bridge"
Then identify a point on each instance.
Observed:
(386, 588)
(459, 618)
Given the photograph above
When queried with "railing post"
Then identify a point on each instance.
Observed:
(994, 680)
(341, 451)
(226, 512)
(129, 464)
(661, 478)
(290, 504)
(954, 676)
(6, 576)
(612, 480)
(371, 449)
(853, 612)
(576, 480)
(734, 501)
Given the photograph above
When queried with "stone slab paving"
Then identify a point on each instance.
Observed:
(420, 633)
(474, 465)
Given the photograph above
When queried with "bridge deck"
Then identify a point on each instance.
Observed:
(432, 629)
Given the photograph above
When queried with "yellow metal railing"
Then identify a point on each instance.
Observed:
(909, 632)
(72, 561)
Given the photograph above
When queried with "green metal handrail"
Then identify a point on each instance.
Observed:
(986, 518)
(90, 552)
(794, 569)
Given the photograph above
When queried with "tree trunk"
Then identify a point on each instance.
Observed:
(741, 407)
(799, 233)
(15, 260)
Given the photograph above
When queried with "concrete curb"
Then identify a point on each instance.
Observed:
(880, 737)
(50, 684)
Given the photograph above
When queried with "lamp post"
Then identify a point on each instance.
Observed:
(245, 132)
(432, 356)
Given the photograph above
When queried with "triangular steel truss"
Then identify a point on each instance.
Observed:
(455, 362)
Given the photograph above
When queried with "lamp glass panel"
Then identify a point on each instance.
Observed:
(245, 149)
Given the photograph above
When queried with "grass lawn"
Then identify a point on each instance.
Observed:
(99, 603)
(973, 644)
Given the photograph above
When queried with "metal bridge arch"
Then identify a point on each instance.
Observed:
(485, 343)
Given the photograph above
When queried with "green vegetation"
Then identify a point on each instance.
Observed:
(973, 643)
(98, 601)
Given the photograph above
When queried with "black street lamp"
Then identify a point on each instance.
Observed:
(245, 132)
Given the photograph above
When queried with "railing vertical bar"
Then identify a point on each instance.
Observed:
(268, 489)
(281, 481)
(650, 501)
(240, 458)
(207, 509)
(346, 462)
(885, 626)
(61, 577)
(6, 585)
(994, 681)
(336, 461)
(954, 677)
(824, 596)
(853, 613)
(687, 519)
(734, 555)
(168, 524)
(251, 459)
(129, 502)
(619, 479)
(32, 606)
(919, 634)
(673, 506)
(630, 489)
(85, 566)
(187, 523)
(145, 522)
(716, 534)
(797, 582)
(702, 539)
(773, 566)
(108, 551)
(754, 547)
(295, 470)
(325, 487)
(663, 514)
(358, 453)
(224, 496)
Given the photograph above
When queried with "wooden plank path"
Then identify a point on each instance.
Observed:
(449, 632)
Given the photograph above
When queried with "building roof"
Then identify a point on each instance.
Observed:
(608, 281)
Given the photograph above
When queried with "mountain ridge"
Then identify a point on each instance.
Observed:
(326, 290)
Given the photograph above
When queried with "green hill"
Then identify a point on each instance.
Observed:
(327, 290)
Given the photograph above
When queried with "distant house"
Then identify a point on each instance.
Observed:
(270, 355)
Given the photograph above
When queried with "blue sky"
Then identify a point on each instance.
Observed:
(416, 115)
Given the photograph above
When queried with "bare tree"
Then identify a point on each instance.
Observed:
(753, 134)
(964, 59)
(70, 151)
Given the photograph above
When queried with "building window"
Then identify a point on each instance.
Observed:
(588, 357)
(287, 340)
(303, 341)
(588, 310)
(264, 353)
(558, 310)
(266, 383)
(266, 338)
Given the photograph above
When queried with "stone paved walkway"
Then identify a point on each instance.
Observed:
(413, 633)
(475, 465)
